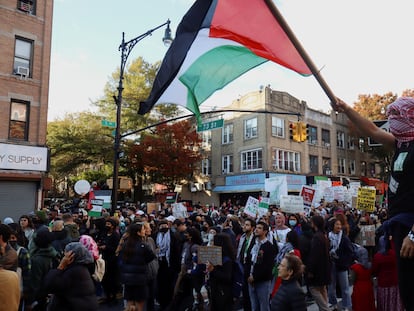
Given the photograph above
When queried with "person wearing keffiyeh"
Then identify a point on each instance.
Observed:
(401, 188)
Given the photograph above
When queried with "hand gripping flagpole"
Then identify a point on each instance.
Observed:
(308, 61)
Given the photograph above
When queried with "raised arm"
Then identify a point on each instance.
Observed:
(365, 126)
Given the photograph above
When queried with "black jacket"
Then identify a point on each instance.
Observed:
(289, 297)
(262, 269)
(318, 268)
(73, 289)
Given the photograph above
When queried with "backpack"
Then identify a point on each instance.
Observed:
(99, 269)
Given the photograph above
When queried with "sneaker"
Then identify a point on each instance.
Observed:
(333, 307)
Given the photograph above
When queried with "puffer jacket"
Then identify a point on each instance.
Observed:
(134, 270)
(289, 297)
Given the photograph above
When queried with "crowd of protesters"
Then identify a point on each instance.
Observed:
(151, 260)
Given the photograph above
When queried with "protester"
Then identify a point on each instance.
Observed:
(10, 287)
(9, 255)
(134, 258)
(384, 267)
(220, 276)
(281, 229)
(318, 269)
(153, 267)
(246, 243)
(262, 257)
(342, 256)
(71, 282)
(400, 191)
(363, 291)
(290, 296)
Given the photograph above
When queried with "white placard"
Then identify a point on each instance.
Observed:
(251, 208)
(292, 204)
(276, 186)
(179, 210)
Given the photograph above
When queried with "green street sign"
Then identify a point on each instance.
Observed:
(107, 123)
(208, 126)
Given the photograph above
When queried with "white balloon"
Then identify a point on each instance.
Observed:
(82, 187)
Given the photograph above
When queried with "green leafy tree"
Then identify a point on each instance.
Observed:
(78, 143)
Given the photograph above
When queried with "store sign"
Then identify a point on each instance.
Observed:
(17, 157)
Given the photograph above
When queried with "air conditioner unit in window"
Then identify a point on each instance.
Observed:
(23, 71)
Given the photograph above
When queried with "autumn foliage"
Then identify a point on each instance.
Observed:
(169, 154)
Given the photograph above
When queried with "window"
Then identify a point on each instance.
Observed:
(286, 160)
(19, 119)
(206, 167)
(227, 164)
(27, 6)
(206, 143)
(340, 139)
(227, 134)
(326, 138)
(326, 167)
(341, 166)
(278, 127)
(250, 128)
(312, 135)
(313, 164)
(251, 160)
(352, 167)
(23, 57)
(351, 145)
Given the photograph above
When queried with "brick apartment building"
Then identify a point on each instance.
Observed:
(25, 41)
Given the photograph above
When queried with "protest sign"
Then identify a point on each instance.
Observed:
(291, 204)
(179, 210)
(276, 186)
(251, 208)
(96, 210)
(263, 207)
(307, 194)
(366, 199)
(366, 236)
(211, 254)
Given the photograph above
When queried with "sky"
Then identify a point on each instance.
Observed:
(360, 47)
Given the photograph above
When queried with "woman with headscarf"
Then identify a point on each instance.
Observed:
(71, 283)
(360, 272)
(384, 267)
(400, 226)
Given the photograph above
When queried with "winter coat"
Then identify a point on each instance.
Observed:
(134, 269)
(318, 268)
(72, 289)
(42, 260)
(289, 297)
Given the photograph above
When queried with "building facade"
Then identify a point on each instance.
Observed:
(254, 146)
(25, 40)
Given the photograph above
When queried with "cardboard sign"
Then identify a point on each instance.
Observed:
(292, 204)
(251, 208)
(366, 236)
(211, 254)
(276, 186)
(366, 199)
(307, 194)
(179, 210)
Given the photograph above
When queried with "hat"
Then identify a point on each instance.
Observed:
(8, 220)
(170, 218)
(42, 237)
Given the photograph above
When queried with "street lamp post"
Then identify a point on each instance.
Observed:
(126, 48)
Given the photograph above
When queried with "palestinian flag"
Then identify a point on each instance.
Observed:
(216, 42)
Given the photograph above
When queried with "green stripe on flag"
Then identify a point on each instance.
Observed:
(215, 69)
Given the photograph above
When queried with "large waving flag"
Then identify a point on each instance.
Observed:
(216, 42)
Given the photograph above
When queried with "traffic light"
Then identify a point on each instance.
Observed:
(303, 131)
(294, 131)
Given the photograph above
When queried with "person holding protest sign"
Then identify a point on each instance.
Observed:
(401, 189)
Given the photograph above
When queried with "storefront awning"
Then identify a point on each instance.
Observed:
(240, 188)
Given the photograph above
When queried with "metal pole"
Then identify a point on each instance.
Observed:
(125, 49)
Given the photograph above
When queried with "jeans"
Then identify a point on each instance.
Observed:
(260, 296)
(343, 280)
(320, 294)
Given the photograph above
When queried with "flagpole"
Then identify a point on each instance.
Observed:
(282, 22)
